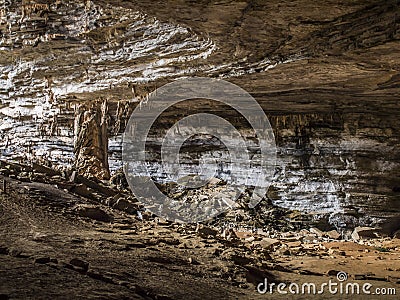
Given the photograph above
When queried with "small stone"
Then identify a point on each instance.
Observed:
(206, 232)
(363, 233)
(332, 272)
(76, 262)
(42, 260)
(333, 234)
(268, 243)
(317, 231)
(162, 221)
(124, 205)
(203, 197)
(95, 275)
(250, 239)
(310, 238)
(93, 212)
(3, 250)
(73, 176)
(54, 260)
(294, 214)
(15, 252)
(304, 231)
(242, 234)
(214, 181)
(293, 244)
(375, 278)
(266, 255)
(336, 252)
(351, 212)
(81, 190)
(240, 259)
(193, 261)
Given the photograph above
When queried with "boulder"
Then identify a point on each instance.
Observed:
(333, 234)
(363, 233)
(93, 212)
(125, 205)
(243, 234)
(269, 243)
(206, 232)
(316, 231)
(214, 181)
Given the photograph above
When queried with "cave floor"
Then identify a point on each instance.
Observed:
(48, 251)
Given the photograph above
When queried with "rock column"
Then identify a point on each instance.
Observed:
(91, 140)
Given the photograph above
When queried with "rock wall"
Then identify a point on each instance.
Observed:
(326, 74)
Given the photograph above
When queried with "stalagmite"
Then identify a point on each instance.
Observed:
(91, 140)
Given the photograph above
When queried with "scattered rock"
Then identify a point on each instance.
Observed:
(125, 205)
(42, 260)
(214, 181)
(294, 244)
(135, 245)
(268, 243)
(162, 221)
(73, 176)
(351, 212)
(82, 190)
(240, 259)
(295, 214)
(332, 272)
(336, 252)
(206, 232)
(255, 275)
(310, 273)
(193, 261)
(375, 278)
(54, 260)
(15, 252)
(317, 231)
(242, 234)
(363, 233)
(333, 234)
(266, 255)
(93, 212)
(3, 250)
(95, 275)
(81, 264)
